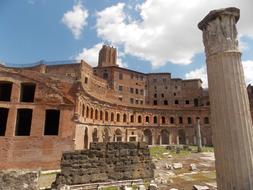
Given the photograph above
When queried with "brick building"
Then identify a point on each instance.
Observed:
(48, 109)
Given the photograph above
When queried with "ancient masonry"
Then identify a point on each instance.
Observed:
(106, 162)
(231, 118)
(49, 108)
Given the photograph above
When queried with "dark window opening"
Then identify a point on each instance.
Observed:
(174, 94)
(124, 118)
(163, 120)
(147, 119)
(118, 117)
(52, 122)
(106, 116)
(112, 117)
(176, 101)
(155, 119)
(139, 119)
(105, 75)
(27, 92)
(187, 102)
(3, 120)
(120, 76)
(208, 103)
(189, 120)
(96, 114)
(155, 102)
(180, 120)
(162, 95)
(101, 115)
(5, 91)
(196, 102)
(132, 119)
(172, 120)
(165, 102)
(155, 95)
(86, 80)
(23, 123)
(206, 120)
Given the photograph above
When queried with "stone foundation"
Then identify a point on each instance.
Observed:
(18, 180)
(106, 162)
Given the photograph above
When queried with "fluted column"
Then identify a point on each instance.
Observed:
(231, 120)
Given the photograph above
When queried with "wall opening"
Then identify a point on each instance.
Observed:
(52, 122)
(118, 117)
(172, 120)
(147, 136)
(147, 119)
(23, 122)
(139, 119)
(5, 91)
(27, 92)
(3, 120)
(112, 116)
(124, 118)
(131, 118)
(196, 102)
(163, 120)
(165, 137)
(155, 119)
(180, 120)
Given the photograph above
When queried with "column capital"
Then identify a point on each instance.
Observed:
(219, 30)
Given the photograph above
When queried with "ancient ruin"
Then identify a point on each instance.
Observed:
(104, 162)
(231, 118)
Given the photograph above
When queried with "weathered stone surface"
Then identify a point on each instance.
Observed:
(18, 180)
(198, 187)
(104, 162)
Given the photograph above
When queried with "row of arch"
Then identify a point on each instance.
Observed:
(90, 113)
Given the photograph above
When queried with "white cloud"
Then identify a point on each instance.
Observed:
(198, 73)
(202, 74)
(90, 55)
(166, 30)
(75, 19)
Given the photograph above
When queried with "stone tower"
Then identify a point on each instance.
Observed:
(107, 56)
(231, 120)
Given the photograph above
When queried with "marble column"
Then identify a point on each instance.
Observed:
(231, 120)
(199, 142)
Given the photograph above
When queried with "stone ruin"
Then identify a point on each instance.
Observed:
(105, 162)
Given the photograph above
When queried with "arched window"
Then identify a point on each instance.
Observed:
(132, 118)
(106, 116)
(91, 113)
(83, 110)
(101, 115)
(87, 112)
(163, 120)
(118, 117)
(189, 119)
(112, 116)
(180, 119)
(124, 118)
(155, 119)
(172, 120)
(96, 114)
(147, 119)
(206, 120)
(139, 119)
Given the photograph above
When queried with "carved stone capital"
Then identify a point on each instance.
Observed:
(219, 30)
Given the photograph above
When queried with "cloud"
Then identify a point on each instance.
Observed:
(198, 73)
(90, 55)
(202, 74)
(75, 19)
(165, 31)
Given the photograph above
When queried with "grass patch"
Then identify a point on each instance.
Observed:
(110, 188)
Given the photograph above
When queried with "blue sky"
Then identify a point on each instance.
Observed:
(151, 35)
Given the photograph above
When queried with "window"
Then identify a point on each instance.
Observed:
(5, 91)
(124, 118)
(136, 91)
(83, 110)
(174, 94)
(155, 102)
(52, 122)
(176, 101)
(141, 91)
(120, 76)
(206, 120)
(147, 119)
(154, 80)
(155, 95)
(163, 120)
(106, 116)
(23, 122)
(132, 90)
(180, 120)
(87, 112)
(189, 119)
(196, 102)
(3, 120)
(118, 117)
(101, 115)
(155, 119)
(27, 92)
(165, 102)
(141, 102)
(132, 118)
(139, 119)
(112, 116)
(120, 99)
(208, 103)
(155, 87)
(162, 95)
(91, 113)
(187, 102)
(136, 101)
(175, 87)
(86, 80)
(172, 120)
(120, 88)
(131, 100)
(105, 76)
(96, 114)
